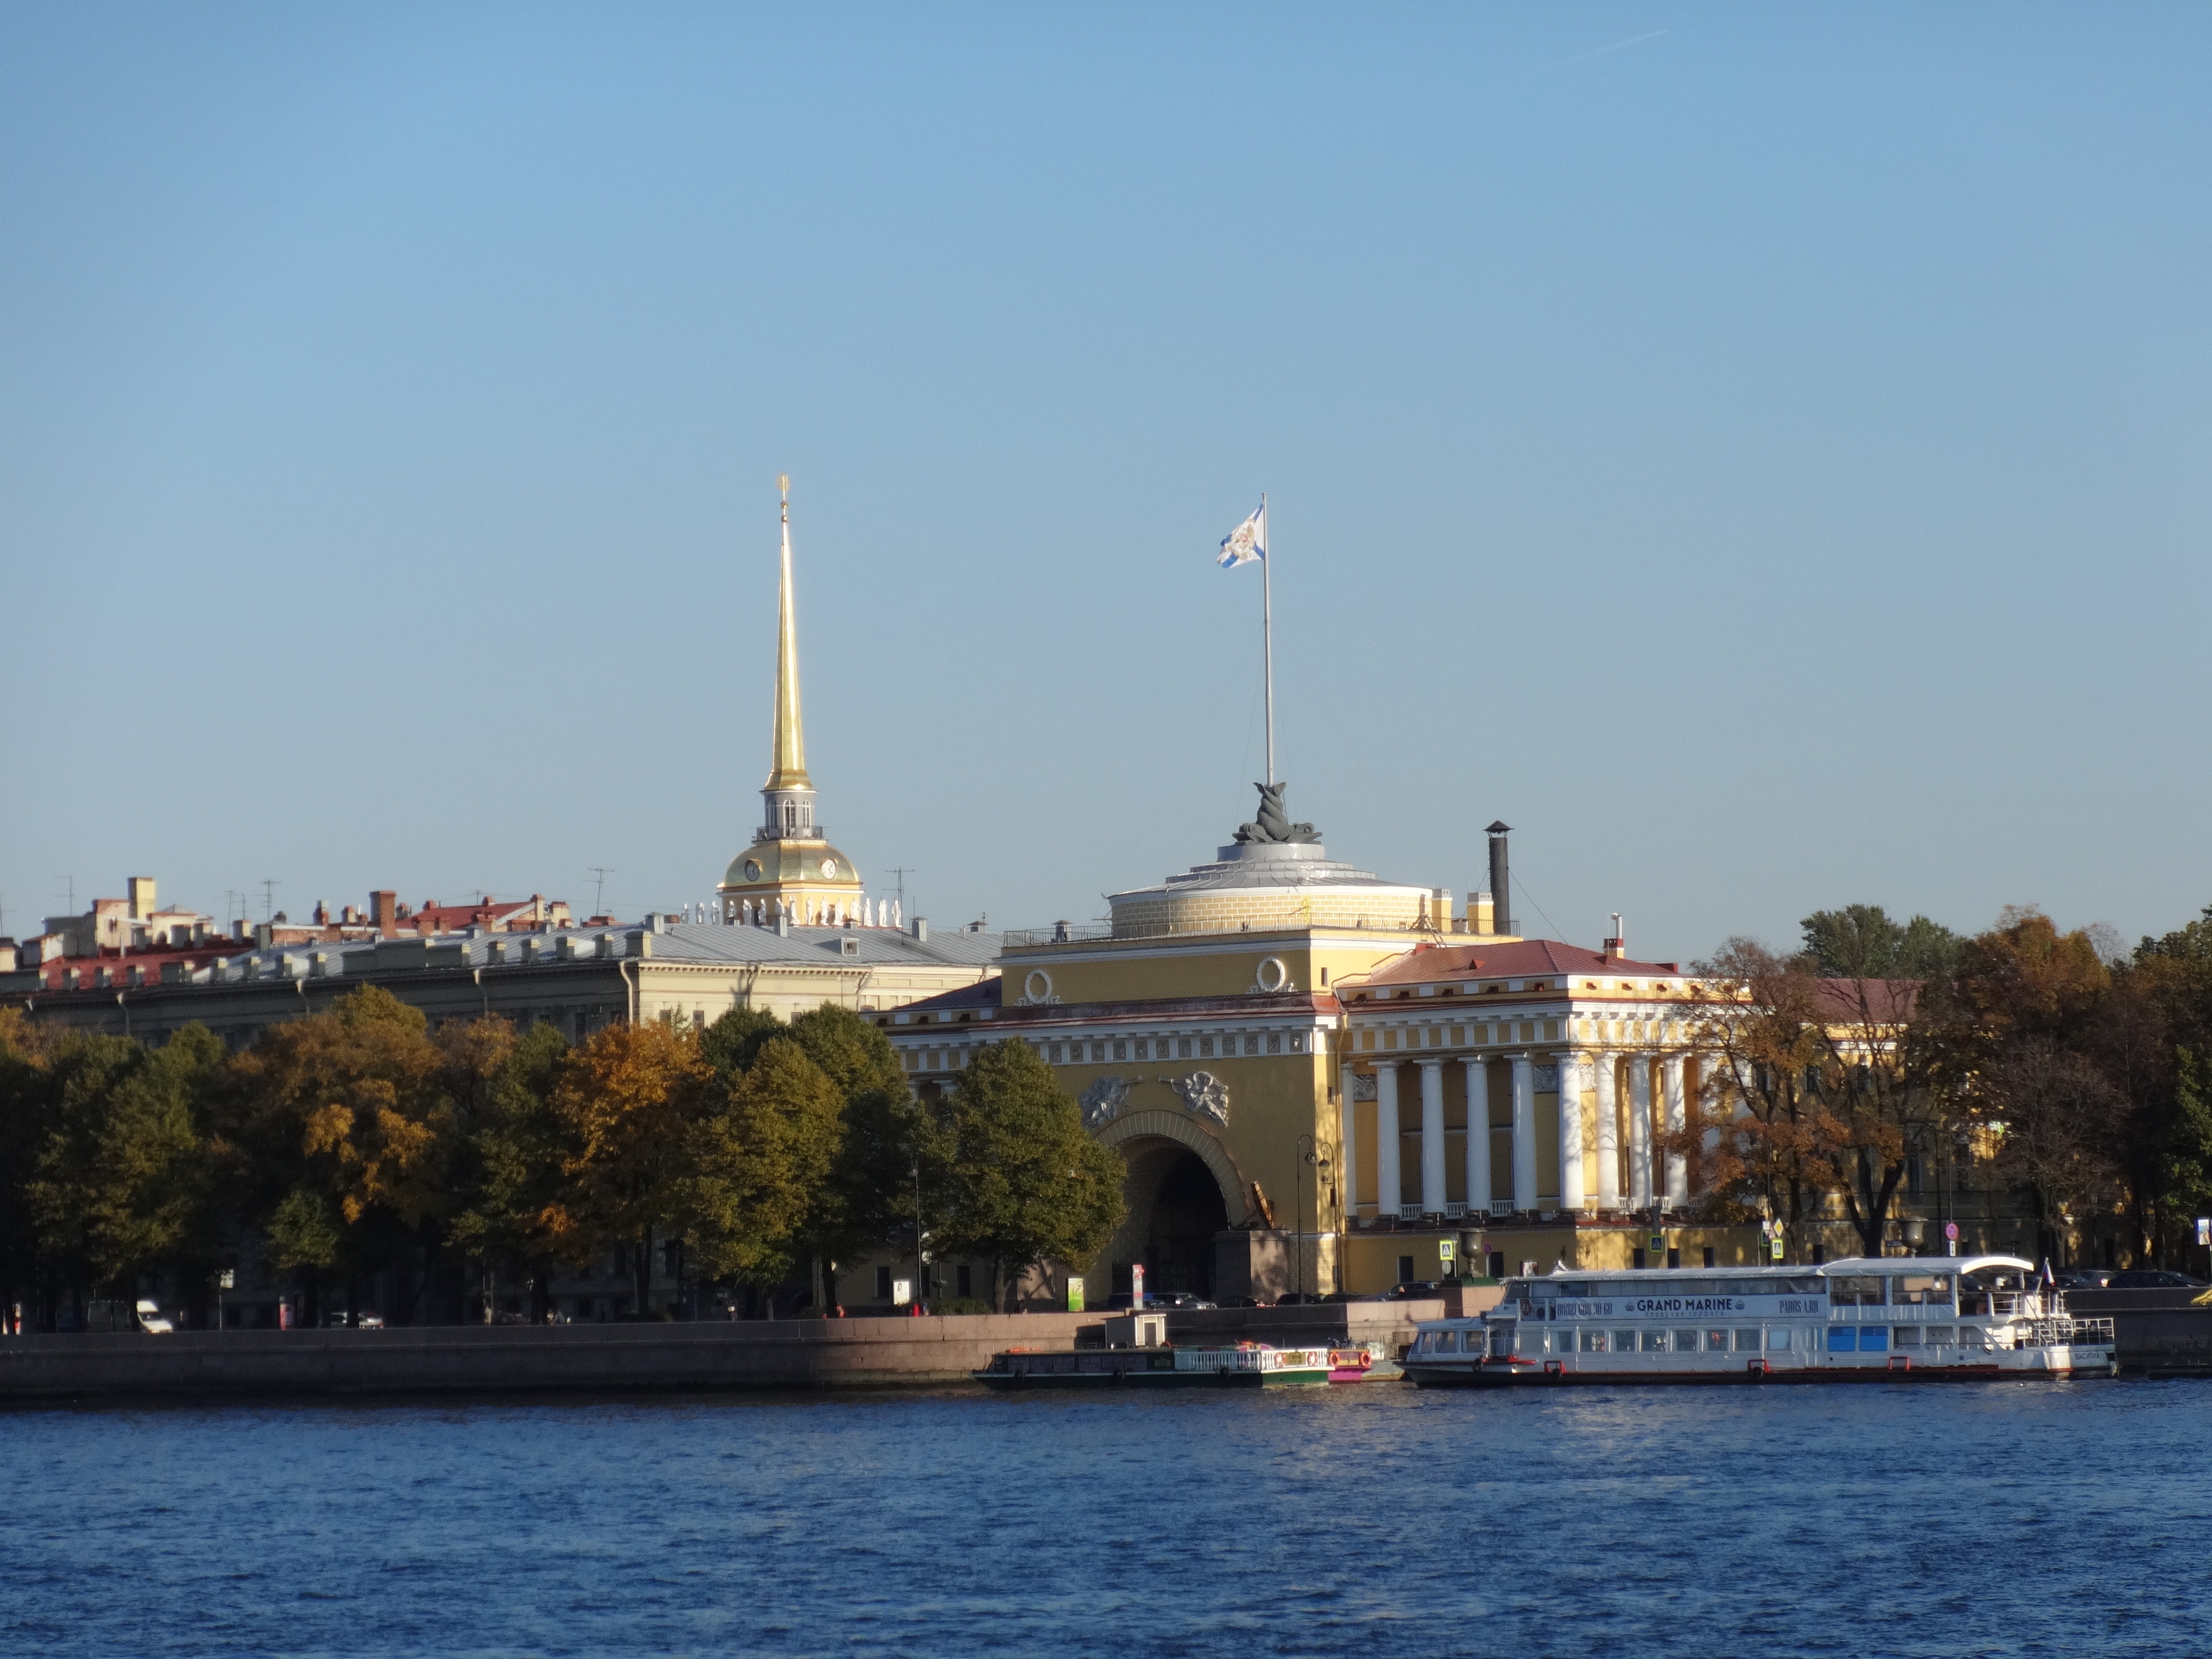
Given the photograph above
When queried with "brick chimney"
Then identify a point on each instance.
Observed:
(384, 911)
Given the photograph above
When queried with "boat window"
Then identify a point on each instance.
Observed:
(1686, 1342)
(1443, 1341)
(1873, 1338)
(1778, 1341)
(2000, 1279)
(1918, 1290)
(1574, 1287)
(1843, 1339)
(1906, 1336)
(1940, 1336)
(1624, 1341)
(1501, 1341)
(1716, 1341)
(1973, 1336)
(1655, 1342)
(1859, 1291)
(1747, 1341)
(1593, 1342)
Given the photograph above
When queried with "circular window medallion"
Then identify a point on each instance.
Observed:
(1038, 986)
(1272, 976)
(752, 870)
(828, 868)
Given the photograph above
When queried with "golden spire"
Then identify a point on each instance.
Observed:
(788, 770)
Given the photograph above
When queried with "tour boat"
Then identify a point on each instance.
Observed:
(1864, 1319)
(1247, 1365)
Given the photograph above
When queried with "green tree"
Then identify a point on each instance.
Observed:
(117, 1188)
(2187, 1162)
(1861, 941)
(759, 1165)
(1019, 1180)
(516, 1145)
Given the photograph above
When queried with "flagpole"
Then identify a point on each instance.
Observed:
(1267, 636)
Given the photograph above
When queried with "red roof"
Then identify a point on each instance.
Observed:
(1524, 959)
(1885, 1002)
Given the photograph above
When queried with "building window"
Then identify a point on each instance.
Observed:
(1182, 1047)
(1055, 1055)
(1097, 1051)
(963, 1281)
(1274, 1043)
(1120, 1051)
(1297, 1043)
(1638, 1261)
(1205, 1048)
(1251, 1045)
(883, 1284)
(1708, 1255)
(1404, 1270)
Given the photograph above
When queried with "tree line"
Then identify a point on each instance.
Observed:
(2056, 1070)
(357, 1141)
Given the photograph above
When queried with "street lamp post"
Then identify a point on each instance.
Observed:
(1315, 1155)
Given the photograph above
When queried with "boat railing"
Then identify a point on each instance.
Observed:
(1999, 1304)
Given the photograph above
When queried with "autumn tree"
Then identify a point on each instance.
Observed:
(352, 1108)
(1019, 1180)
(626, 1105)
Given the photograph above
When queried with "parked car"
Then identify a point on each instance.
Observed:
(1246, 1302)
(2154, 1279)
(2086, 1278)
(154, 1321)
(1334, 1296)
(1414, 1290)
(1300, 1300)
(1174, 1301)
(369, 1322)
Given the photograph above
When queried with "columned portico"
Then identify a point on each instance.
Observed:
(1478, 1135)
(1571, 1132)
(1608, 1132)
(1347, 1142)
(1678, 1166)
(1639, 1131)
(1432, 1137)
(1389, 1195)
(1524, 1133)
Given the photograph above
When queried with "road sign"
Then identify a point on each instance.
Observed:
(1075, 1293)
(1777, 1247)
(2205, 1229)
(1137, 1285)
(1446, 1250)
(901, 1292)
(1658, 1242)
(1951, 1231)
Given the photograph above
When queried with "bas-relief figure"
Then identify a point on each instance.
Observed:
(1102, 1100)
(1203, 1095)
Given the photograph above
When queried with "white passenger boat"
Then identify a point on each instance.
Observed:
(1865, 1319)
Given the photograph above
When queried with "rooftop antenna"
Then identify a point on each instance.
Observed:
(902, 871)
(599, 890)
(71, 880)
(269, 886)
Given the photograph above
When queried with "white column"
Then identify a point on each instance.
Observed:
(1478, 1136)
(1432, 1137)
(1524, 1133)
(1347, 1144)
(1387, 1197)
(1678, 1166)
(1639, 1131)
(1571, 1132)
(1608, 1134)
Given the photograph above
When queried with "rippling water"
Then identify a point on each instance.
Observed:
(2021, 1518)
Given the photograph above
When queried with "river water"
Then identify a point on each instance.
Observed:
(2015, 1518)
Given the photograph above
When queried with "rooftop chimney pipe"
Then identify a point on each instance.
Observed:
(1501, 878)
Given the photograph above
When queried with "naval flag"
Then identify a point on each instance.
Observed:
(1248, 541)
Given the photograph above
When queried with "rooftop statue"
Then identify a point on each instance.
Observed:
(1274, 826)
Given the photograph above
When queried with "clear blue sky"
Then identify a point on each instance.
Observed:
(1759, 452)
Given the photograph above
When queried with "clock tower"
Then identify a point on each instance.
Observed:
(791, 869)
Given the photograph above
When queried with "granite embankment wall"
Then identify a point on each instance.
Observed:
(509, 1359)
(2161, 1333)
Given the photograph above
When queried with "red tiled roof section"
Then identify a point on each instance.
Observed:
(1523, 960)
(1883, 1001)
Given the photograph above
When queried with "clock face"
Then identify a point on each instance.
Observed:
(828, 868)
(752, 870)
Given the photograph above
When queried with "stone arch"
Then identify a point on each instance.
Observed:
(1155, 1124)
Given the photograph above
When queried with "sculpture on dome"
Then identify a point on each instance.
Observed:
(1273, 826)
